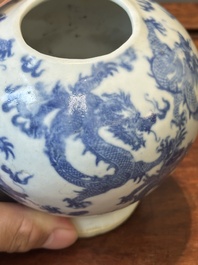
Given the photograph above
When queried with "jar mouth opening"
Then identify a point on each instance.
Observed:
(77, 31)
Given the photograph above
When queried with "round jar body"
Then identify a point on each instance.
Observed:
(86, 137)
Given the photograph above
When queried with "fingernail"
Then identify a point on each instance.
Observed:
(60, 238)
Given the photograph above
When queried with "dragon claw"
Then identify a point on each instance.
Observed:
(98, 160)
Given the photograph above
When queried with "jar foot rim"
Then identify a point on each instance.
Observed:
(89, 226)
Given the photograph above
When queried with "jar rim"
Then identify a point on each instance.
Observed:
(127, 5)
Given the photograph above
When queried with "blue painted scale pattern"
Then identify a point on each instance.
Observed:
(166, 69)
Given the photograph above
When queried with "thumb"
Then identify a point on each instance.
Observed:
(3, 2)
(23, 229)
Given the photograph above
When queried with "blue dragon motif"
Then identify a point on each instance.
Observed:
(175, 70)
(174, 154)
(85, 113)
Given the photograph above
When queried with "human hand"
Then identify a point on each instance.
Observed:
(23, 229)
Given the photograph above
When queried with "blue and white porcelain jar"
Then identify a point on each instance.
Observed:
(99, 103)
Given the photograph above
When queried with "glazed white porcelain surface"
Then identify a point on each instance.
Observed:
(89, 135)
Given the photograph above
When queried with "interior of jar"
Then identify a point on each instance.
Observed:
(76, 29)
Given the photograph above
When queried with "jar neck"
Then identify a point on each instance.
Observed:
(21, 9)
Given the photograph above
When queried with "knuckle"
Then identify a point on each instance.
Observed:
(21, 238)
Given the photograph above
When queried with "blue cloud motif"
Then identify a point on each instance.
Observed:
(31, 65)
(6, 49)
(6, 147)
